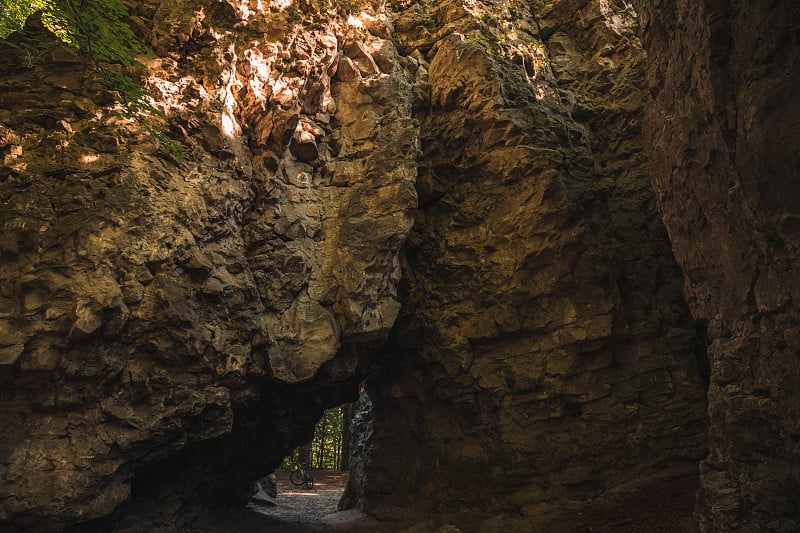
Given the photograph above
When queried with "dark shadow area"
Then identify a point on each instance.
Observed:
(700, 348)
(173, 490)
(293, 509)
(666, 507)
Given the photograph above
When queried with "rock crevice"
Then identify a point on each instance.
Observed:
(724, 119)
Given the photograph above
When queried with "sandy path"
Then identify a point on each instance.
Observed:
(301, 509)
(298, 510)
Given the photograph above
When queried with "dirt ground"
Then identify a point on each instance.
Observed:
(665, 508)
(304, 510)
(298, 510)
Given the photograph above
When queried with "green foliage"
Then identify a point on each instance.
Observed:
(14, 13)
(326, 448)
(98, 28)
(136, 106)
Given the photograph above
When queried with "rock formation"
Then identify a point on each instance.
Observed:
(150, 304)
(544, 359)
(452, 198)
(723, 133)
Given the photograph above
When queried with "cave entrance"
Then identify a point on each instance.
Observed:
(305, 493)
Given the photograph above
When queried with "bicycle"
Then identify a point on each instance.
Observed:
(301, 476)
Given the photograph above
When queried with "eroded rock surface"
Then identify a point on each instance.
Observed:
(545, 360)
(169, 329)
(150, 304)
(723, 133)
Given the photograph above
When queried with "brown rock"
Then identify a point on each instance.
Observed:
(721, 129)
(169, 331)
(532, 344)
(154, 308)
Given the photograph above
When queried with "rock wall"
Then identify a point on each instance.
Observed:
(169, 329)
(723, 133)
(162, 320)
(544, 360)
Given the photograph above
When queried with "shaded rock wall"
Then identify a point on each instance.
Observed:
(544, 360)
(361, 432)
(723, 133)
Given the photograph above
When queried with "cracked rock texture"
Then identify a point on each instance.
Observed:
(723, 131)
(544, 360)
(453, 198)
(148, 304)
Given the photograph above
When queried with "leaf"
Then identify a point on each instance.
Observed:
(98, 27)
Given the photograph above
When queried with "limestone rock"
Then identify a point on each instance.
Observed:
(360, 460)
(451, 199)
(148, 306)
(543, 353)
(722, 132)
(263, 496)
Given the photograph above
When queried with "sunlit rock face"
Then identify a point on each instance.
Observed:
(544, 360)
(150, 308)
(723, 133)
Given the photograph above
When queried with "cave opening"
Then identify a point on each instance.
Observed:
(209, 485)
(306, 490)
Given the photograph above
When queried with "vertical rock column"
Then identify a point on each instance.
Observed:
(543, 361)
(326, 106)
(722, 131)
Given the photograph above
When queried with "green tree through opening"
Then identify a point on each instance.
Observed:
(326, 448)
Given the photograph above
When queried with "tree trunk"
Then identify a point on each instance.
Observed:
(337, 448)
(336, 439)
(347, 418)
(321, 456)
